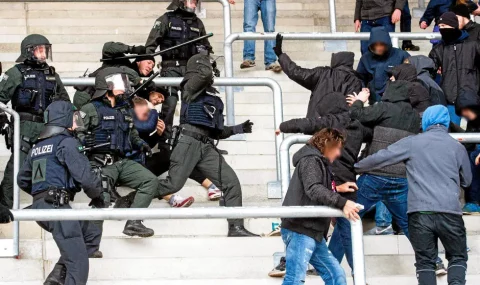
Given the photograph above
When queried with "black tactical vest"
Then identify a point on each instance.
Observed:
(180, 29)
(206, 110)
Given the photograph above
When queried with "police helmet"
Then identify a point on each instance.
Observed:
(35, 48)
(190, 6)
(113, 79)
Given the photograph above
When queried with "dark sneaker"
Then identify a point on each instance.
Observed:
(380, 231)
(136, 228)
(247, 64)
(279, 270)
(240, 231)
(275, 67)
(408, 46)
(96, 254)
(57, 276)
(440, 269)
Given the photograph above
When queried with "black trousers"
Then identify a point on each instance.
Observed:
(171, 100)
(76, 240)
(159, 163)
(425, 230)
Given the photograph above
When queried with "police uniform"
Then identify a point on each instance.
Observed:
(114, 126)
(202, 122)
(31, 87)
(175, 27)
(54, 170)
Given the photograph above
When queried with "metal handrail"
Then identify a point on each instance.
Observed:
(228, 51)
(16, 167)
(221, 81)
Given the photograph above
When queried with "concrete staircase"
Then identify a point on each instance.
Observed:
(194, 252)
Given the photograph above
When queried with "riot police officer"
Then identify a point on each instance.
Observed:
(54, 170)
(177, 26)
(142, 66)
(202, 122)
(31, 85)
(110, 132)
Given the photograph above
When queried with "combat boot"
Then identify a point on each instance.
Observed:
(136, 228)
(57, 276)
(239, 231)
(96, 254)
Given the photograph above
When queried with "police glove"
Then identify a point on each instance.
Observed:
(146, 149)
(137, 50)
(3, 120)
(5, 215)
(278, 45)
(245, 127)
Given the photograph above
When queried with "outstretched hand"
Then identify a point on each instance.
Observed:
(247, 127)
(278, 45)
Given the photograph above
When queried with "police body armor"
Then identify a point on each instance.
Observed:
(114, 127)
(47, 171)
(206, 111)
(36, 92)
(180, 29)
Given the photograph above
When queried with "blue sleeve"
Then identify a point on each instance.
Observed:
(149, 125)
(429, 13)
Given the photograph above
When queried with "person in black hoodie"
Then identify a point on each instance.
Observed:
(468, 106)
(312, 184)
(323, 80)
(334, 114)
(457, 58)
(425, 72)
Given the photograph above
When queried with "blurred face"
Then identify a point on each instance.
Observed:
(40, 52)
(379, 48)
(191, 4)
(141, 111)
(469, 114)
(156, 98)
(145, 67)
(444, 26)
(332, 152)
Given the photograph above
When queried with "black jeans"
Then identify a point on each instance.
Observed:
(425, 230)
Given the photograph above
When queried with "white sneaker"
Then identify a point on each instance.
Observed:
(214, 194)
(180, 202)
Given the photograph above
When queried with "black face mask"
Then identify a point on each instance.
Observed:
(450, 35)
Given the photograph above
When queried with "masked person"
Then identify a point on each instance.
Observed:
(31, 85)
(377, 60)
(457, 59)
(110, 133)
(177, 26)
(202, 122)
(141, 66)
(54, 170)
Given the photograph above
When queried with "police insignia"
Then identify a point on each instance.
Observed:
(83, 114)
(157, 24)
(80, 148)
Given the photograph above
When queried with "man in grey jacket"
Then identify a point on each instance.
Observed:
(437, 166)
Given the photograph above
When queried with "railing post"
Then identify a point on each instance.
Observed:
(333, 19)
(395, 42)
(358, 253)
(16, 168)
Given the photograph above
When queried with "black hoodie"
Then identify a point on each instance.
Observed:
(311, 185)
(340, 77)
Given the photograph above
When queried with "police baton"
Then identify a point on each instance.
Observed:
(159, 52)
(96, 146)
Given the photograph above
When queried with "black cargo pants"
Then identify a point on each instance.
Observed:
(171, 99)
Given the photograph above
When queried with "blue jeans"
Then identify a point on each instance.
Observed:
(343, 241)
(383, 218)
(453, 116)
(302, 250)
(367, 26)
(391, 191)
(268, 11)
(472, 195)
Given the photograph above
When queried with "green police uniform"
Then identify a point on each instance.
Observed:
(30, 128)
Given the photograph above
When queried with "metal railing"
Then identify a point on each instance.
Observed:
(268, 82)
(11, 248)
(228, 51)
(227, 17)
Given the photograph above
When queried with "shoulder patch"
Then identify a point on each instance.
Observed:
(83, 114)
(195, 29)
(4, 77)
(157, 24)
(81, 148)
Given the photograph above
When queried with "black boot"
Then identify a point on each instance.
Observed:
(126, 201)
(136, 228)
(239, 231)
(57, 276)
(96, 254)
(409, 46)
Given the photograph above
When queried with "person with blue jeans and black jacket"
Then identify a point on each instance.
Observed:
(378, 60)
(312, 184)
(434, 209)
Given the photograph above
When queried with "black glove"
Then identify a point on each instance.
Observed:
(146, 149)
(5, 215)
(3, 120)
(89, 140)
(247, 127)
(103, 201)
(138, 50)
(278, 45)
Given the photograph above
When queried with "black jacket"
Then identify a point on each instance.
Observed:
(311, 185)
(376, 9)
(391, 119)
(340, 77)
(425, 68)
(458, 62)
(473, 30)
(417, 93)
